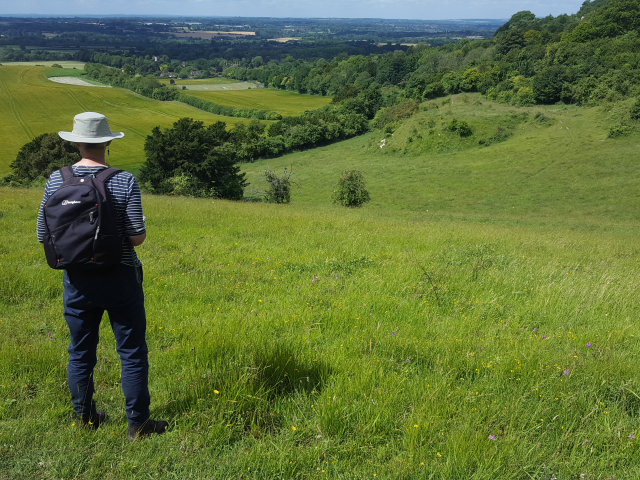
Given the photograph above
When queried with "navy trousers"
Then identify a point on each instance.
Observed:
(87, 295)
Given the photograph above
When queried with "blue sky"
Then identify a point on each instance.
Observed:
(408, 9)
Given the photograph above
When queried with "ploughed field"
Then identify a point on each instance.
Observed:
(33, 105)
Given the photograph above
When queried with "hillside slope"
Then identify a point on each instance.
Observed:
(560, 166)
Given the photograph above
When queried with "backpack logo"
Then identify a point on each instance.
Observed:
(69, 202)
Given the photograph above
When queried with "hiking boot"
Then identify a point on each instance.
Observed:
(93, 421)
(135, 432)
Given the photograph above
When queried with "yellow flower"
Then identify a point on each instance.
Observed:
(216, 392)
(438, 453)
(293, 428)
(415, 426)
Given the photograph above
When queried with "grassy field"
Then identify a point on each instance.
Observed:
(316, 342)
(35, 105)
(476, 320)
(285, 103)
(63, 63)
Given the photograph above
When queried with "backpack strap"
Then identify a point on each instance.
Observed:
(105, 175)
(67, 174)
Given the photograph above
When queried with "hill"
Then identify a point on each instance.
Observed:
(549, 164)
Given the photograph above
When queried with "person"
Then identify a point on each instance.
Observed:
(116, 289)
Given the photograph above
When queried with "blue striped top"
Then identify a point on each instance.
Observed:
(128, 205)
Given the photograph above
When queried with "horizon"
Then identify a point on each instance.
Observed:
(301, 9)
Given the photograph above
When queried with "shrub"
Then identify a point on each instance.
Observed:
(460, 127)
(351, 191)
(278, 187)
(635, 110)
(39, 158)
(395, 113)
(618, 130)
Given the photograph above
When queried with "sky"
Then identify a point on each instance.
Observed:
(404, 9)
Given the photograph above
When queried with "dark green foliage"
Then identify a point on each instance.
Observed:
(224, 109)
(618, 130)
(613, 18)
(39, 158)
(347, 91)
(460, 127)
(351, 191)
(635, 110)
(278, 187)
(547, 85)
(191, 159)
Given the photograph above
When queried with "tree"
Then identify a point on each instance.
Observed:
(351, 191)
(191, 159)
(547, 85)
(40, 157)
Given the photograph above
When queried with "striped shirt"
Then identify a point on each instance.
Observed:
(128, 205)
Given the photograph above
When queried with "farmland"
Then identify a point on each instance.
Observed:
(35, 105)
(285, 103)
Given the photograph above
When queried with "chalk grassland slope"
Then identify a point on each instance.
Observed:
(321, 342)
(33, 105)
(565, 169)
(285, 103)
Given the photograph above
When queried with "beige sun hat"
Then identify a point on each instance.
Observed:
(90, 127)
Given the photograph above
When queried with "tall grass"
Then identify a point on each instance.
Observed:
(320, 342)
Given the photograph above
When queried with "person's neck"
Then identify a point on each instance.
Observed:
(92, 162)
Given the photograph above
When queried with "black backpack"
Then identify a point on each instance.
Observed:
(81, 230)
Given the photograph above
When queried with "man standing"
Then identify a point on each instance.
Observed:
(116, 289)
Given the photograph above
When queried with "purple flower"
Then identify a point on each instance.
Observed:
(393, 333)
(298, 288)
(409, 360)
(492, 437)
(313, 280)
(565, 373)
(267, 258)
(371, 314)
(632, 437)
(329, 309)
(543, 336)
(535, 329)
(588, 345)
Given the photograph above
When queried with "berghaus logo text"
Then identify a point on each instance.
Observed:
(69, 202)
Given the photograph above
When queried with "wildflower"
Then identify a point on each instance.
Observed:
(415, 426)
(298, 288)
(565, 373)
(588, 345)
(313, 280)
(409, 360)
(543, 336)
(293, 428)
(393, 333)
(535, 329)
(216, 392)
(632, 437)
(492, 437)
(438, 453)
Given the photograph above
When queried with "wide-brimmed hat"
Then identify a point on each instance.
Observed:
(90, 127)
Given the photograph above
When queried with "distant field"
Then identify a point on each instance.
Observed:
(198, 81)
(33, 105)
(285, 103)
(68, 64)
(208, 35)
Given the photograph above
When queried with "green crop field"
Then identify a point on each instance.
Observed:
(285, 103)
(477, 320)
(34, 105)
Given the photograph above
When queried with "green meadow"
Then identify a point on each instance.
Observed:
(34, 105)
(285, 103)
(477, 320)
(198, 81)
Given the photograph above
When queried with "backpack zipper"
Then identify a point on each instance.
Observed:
(87, 214)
